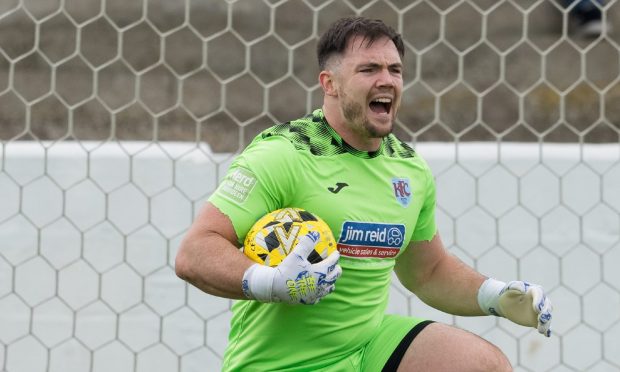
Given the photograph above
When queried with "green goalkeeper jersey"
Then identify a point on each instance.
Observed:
(374, 202)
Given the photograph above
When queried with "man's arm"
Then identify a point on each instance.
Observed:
(444, 282)
(208, 257)
(439, 278)
(209, 260)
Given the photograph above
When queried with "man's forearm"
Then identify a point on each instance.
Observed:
(213, 265)
(452, 287)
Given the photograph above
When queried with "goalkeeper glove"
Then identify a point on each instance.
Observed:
(295, 280)
(521, 302)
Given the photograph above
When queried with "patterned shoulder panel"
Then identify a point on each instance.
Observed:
(395, 148)
(310, 133)
(313, 133)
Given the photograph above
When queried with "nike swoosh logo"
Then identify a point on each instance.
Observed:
(339, 186)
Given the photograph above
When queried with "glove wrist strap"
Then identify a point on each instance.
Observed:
(488, 296)
(257, 283)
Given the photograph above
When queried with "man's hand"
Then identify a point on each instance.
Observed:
(521, 302)
(295, 280)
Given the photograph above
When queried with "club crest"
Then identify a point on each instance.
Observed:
(402, 191)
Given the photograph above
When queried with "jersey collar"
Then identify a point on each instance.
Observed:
(319, 117)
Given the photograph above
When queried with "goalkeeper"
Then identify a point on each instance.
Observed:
(343, 163)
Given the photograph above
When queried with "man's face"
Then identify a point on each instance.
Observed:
(369, 86)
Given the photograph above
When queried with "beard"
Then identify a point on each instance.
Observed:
(353, 113)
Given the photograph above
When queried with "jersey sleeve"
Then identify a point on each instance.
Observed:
(426, 227)
(261, 179)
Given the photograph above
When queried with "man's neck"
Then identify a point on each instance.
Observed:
(334, 118)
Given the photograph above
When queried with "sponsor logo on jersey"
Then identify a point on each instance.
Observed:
(238, 184)
(402, 191)
(368, 239)
(339, 186)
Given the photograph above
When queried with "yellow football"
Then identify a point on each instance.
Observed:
(274, 235)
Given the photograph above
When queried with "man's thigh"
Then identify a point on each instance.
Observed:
(388, 337)
(440, 347)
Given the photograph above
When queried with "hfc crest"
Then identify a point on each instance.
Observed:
(402, 191)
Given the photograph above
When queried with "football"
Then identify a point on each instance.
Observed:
(274, 235)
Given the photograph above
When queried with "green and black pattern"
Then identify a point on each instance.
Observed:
(313, 133)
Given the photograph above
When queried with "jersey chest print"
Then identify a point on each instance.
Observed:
(376, 239)
(370, 239)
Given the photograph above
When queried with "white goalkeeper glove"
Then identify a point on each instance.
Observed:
(521, 302)
(295, 280)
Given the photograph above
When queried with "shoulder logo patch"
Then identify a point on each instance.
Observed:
(238, 184)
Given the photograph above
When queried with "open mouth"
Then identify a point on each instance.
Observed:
(381, 105)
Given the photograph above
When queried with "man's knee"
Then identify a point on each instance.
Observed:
(497, 361)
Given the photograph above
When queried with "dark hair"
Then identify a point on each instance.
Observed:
(335, 39)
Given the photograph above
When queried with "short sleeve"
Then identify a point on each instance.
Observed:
(261, 179)
(426, 227)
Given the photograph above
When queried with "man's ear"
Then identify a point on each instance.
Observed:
(328, 83)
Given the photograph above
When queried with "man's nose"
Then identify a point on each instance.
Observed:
(384, 78)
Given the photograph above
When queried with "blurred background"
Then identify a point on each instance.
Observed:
(119, 117)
